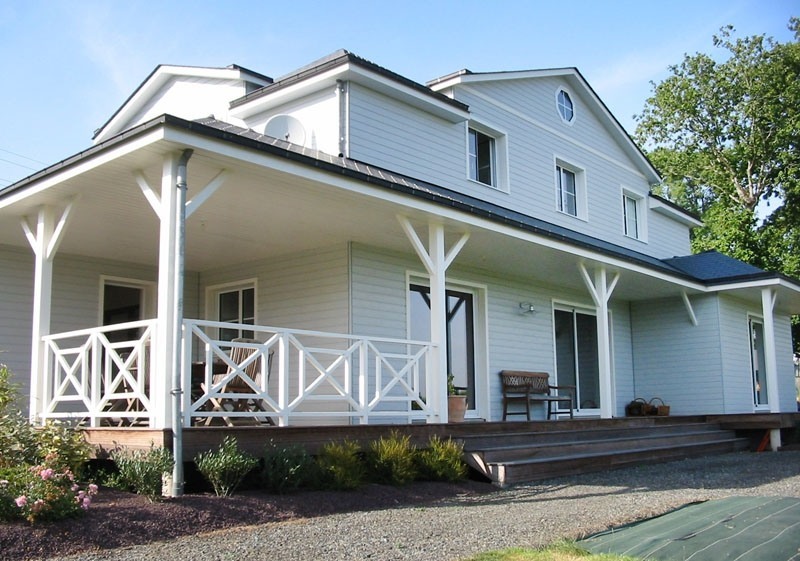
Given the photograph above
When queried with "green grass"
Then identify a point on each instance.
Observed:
(561, 551)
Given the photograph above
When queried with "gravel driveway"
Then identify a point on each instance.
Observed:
(526, 515)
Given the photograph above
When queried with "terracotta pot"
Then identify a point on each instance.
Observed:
(456, 407)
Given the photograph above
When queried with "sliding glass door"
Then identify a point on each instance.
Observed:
(576, 355)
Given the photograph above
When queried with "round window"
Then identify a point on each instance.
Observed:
(565, 107)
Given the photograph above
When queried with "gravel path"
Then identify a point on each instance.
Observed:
(526, 515)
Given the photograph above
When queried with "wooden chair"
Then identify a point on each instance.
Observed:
(239, 355)
(533, 387)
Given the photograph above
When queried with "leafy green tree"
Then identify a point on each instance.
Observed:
(725, 134)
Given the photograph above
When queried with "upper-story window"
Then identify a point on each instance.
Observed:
(487, 155)
(630, 213)
(634, 217)
(565, 106)
(567, 195)
(570, 189)
(482, 158)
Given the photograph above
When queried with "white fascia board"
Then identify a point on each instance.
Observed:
(84, 165)
(497, 77)
(411, 204)
(157, 80)
(358, 75)
(660, 207)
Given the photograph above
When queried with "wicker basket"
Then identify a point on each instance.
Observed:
(637, 408)
(658, 407)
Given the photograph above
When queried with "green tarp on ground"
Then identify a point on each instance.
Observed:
(735, 528)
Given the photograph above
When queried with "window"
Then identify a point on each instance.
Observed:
(236, 305)
(634, 215)
(565, 107)
(630, 213)
(567, 191)
(481, 158)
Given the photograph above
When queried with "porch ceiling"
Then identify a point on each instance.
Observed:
(266, 211)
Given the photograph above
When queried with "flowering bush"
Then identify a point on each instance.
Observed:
(42, 493)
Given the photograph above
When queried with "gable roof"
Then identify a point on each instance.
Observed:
(343, 65)
(575, 79)
(160, 75)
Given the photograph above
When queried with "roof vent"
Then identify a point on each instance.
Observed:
(286, 127)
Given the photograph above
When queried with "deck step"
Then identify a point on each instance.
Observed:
(515, 457)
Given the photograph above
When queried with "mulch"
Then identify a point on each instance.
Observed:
(118, 519)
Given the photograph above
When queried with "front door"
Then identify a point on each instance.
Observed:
(757, 361)
(121, 304)
(460, 333)
(577, 361)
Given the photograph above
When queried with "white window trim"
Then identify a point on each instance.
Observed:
(641, 213)
(148, 289)
(558, 109)
(581, 192)
(499, 157)
(213, 291)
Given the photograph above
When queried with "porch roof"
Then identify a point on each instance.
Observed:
(367, 217)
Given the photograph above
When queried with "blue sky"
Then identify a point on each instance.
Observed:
(70, 64)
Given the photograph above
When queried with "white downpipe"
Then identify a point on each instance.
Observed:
(177, 373)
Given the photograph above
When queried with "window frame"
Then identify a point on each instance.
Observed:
(498, 155)
(641, 214)
(562, 91)
(581, 202)
(213, 294)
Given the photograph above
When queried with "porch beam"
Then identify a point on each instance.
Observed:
(167, 270)
(689, 308)
(206, 192)
(768, 296)
(44, 237)
(601, 289)
(436, 259)
(149, 193)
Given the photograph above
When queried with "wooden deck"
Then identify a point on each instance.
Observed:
(504, 452)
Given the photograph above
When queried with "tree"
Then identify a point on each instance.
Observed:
(726, 136)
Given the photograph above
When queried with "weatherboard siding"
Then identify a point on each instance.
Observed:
(514, 340)
(675, 360)
(401, 138)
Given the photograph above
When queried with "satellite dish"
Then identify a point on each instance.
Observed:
(286, 127)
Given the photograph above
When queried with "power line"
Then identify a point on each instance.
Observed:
(18, 164)
(21, 156)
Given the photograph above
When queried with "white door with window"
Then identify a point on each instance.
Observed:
(577, 361)
(236, 304)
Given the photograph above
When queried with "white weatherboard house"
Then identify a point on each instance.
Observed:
(371, 234)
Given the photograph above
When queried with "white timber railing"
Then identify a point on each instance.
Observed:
(285, 376)
(100, 375)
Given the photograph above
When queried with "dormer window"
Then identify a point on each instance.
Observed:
(565, 107)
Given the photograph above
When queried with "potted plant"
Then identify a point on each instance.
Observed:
(456, 401)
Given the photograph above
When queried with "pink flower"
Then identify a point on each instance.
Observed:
(47, 474)
(92, 489)
(74, 488)
(21, 501)
(86, 502)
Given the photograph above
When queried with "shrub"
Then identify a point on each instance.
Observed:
(65, 445)
(285, 469)
(341, 465)
(42, 493)
(8, 391)
(226, 468)
(442, 460)
(391, 459)
(17, 440)
(141, 471)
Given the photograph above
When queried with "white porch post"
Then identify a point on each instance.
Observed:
(436, 261)
(601, 291)
(768, 296)
(44, 238)
(167, 299)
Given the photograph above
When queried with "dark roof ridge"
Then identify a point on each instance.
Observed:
(333, 60)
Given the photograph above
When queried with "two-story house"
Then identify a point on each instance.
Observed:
(365, 236)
